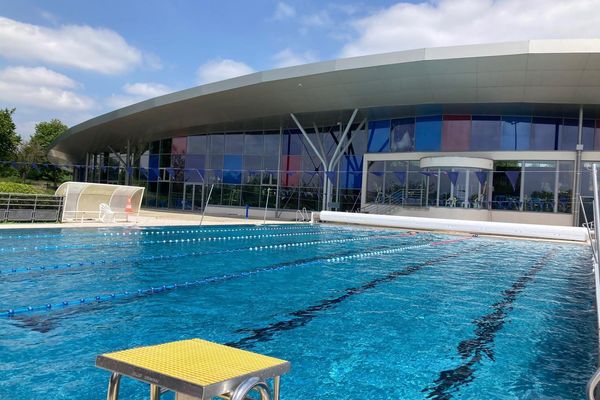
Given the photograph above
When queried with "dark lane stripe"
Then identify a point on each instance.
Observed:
(305, 315)
(473, 350)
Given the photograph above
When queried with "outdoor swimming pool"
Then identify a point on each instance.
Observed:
(360, 313)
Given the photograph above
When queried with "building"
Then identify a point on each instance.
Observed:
(499, 132)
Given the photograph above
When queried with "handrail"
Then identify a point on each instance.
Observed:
(592, 385)
(206, 204)
(595, 379)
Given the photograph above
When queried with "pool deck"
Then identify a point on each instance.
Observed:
(151, 218)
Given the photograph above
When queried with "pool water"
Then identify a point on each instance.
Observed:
(360, 313)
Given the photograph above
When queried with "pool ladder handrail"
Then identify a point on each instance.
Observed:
(302, 215)
(594, 381)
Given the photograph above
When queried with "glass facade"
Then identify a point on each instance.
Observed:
(246, 167)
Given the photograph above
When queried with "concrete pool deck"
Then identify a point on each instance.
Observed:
(151, 218)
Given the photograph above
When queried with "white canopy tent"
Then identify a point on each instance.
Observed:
(88, 201)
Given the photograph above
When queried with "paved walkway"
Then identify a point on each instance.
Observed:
(151, 218)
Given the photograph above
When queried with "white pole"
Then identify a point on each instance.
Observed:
(207, 201)
(266, 206)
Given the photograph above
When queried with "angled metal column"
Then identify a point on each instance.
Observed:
(337, 155)
(321, 157)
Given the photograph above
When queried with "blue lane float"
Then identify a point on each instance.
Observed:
(9, 250)
(146, 231)
(213, 279)
(278, 246)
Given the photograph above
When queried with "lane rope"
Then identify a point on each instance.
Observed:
(213, 279)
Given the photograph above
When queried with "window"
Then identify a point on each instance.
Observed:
(403, 135)
(217, 143)
(234, 143)
(544, 133)
(569, 132)
(179, 145)
(507, 185)
(253, 143)
(516, 132)
(485, 133)
(428, 133)
(379, 136)
(292, 144)
(197, 144)
(232, 169)
(456, 132)
(539, 183)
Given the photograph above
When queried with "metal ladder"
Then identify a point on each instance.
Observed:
(302, 215)
(594, 236)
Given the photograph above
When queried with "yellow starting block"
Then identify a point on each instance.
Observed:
(195, 369)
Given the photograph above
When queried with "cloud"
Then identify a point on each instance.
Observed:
(40, 88)
(453, 22)
(220, 69)
(75, 46)
(36, 76)
(283, 11)
(136, 92)
(317, 20)
(287, 58)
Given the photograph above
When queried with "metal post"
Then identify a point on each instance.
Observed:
(577, 183)
(154, 392)
(276, 383)
(207, 201)
(87, 165)
(128, 163)
(266, 206)
(597, 238)
(278, 185)
(113, 386)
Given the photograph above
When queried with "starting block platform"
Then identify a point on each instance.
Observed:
(195, 369)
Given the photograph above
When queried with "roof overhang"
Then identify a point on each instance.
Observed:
(556, 75)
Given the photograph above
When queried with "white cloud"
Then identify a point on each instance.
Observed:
(40, 87)
(317, 20)
(136, 92)
(287, 58)
(76, 46)
(220, 69)
(36, 76)
(453, 22)
(284, 11)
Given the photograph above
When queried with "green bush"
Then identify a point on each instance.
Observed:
(12, 187)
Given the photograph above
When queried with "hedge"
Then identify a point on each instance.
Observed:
(12, 187)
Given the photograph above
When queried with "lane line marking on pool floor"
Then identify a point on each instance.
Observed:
(305, 315)
(473, 350)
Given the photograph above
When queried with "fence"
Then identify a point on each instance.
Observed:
(16, 207)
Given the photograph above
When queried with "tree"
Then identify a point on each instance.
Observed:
(36, 151)
(9, 139)
(47, 132)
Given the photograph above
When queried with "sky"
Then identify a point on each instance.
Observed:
(74, 60)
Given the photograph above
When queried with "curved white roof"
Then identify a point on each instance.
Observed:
(537, 72)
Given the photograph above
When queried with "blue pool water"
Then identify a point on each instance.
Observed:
(360, 313)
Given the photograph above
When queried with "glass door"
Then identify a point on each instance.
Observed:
(193, 196)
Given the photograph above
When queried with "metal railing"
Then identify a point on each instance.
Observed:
(593, 232)
(17, 207)
(302, 215)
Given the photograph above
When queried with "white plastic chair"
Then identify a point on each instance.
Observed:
(106, 214)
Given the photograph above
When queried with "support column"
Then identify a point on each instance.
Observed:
(577, 183)
(87, 166)
(278, 172)
(127, 163)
